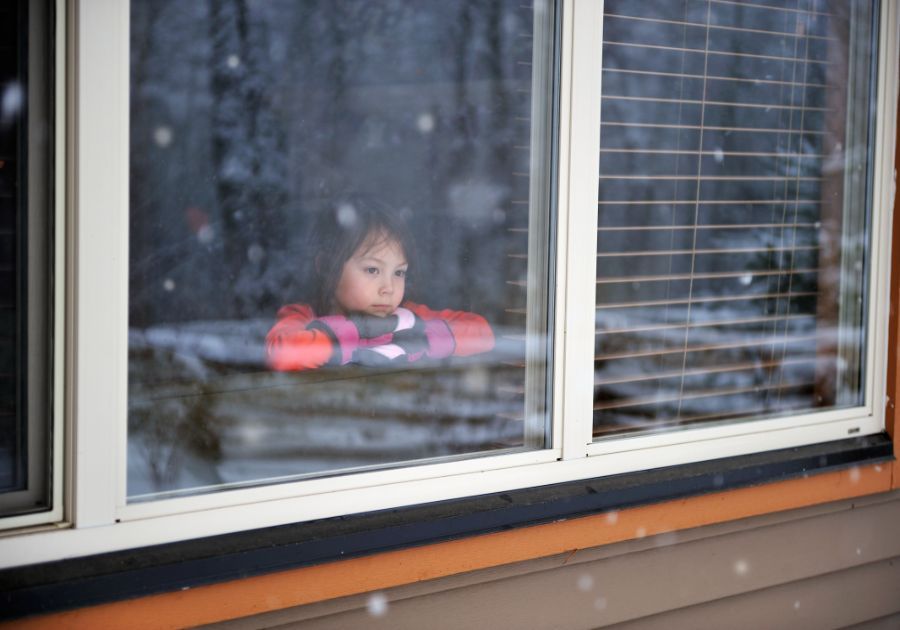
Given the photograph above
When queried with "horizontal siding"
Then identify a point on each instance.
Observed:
(826, 567)
(889, 622)
(824, 602)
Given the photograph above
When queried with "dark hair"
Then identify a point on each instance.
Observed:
(338, 233)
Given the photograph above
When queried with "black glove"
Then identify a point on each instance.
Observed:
(371, 327)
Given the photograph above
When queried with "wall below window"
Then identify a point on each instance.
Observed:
(543, 547)
(829, 566)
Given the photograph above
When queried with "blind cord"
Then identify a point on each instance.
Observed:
(698, 191)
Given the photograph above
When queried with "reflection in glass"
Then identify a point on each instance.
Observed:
(731, 269)
(252, 120)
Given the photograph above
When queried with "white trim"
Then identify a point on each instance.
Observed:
(394, 477)
(579, 142)
(60, 249)
(65, 281)
(819, 427)
(883, 191)
(101, 258)
(562, 209)
(538, 371)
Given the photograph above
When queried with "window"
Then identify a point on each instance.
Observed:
(319, 112)
(671, 216)
(29, 481)
(733, 225)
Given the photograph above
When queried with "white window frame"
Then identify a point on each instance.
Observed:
(56, 458)
(99, 519)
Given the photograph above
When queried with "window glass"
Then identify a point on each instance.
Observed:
(25, 168)
(338, 237)
(733, 210)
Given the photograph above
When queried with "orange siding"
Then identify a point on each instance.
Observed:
(306, 585)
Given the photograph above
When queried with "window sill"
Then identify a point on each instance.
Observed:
(61, 585)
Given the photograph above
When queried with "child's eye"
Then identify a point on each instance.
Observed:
(371, 270)
(400, 273)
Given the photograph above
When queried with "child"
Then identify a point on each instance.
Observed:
(361, 259)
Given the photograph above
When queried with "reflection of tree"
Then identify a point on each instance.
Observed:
(143, 231)
(247, 151)
(464, 114)
(173, 432)
(274, 108)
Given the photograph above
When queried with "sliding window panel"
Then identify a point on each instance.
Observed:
(734, 211)
(339, 238)
(26, 203)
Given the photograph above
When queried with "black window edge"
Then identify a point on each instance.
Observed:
(103, 578)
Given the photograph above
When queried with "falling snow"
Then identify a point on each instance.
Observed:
(425, 123)
(162, 136)
(13, 99)
(377, 604)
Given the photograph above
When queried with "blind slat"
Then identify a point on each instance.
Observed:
(707, 300)
(715, 178)
(713, 77)
(655, 400)
(717, 52)
(720, 369)
(772, 7)
(703, 324)
(710, 226)
(706, 276)
(687, 419)
(722, 154)
(768, 341)
(660, 125)
(739, 29)
(685, 252)
(687, 101)
(708, 202)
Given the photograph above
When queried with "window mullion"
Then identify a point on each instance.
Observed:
(579, 165)
(101, 203)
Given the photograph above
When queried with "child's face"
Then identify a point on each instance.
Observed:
(373, 279)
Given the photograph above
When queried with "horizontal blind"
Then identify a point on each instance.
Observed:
(718, 196)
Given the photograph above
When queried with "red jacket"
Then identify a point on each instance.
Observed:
(291, 347)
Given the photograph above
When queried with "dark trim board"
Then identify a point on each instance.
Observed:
(66, 584)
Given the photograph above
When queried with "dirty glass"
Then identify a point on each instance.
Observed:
(255, 122)
(734, 211)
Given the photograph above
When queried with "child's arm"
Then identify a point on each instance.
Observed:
(291, 347)
(301, 341)
(471, 332)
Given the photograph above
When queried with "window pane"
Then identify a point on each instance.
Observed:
(733, 210)
(332, 162)
(25, 168)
